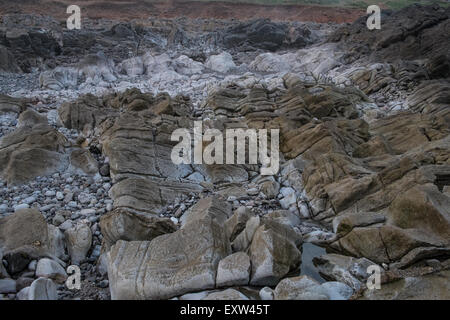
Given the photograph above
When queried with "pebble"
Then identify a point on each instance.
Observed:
(21, 206)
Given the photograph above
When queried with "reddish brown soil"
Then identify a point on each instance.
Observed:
(135, 9)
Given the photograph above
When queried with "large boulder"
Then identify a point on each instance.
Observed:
(121, 224)
(31, 151)
(24, 236)
(171, 264)
(274, 252)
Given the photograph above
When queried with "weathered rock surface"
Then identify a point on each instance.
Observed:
(274, 252)
(23, 237)
(31, 151)
(169, 265)
(50, 269)
(429, 287)
(305, 288)
(42, 289)
(78, 242)
(233, 270)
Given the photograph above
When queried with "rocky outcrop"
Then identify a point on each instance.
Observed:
(31, 151)
(169, 265)
(24, 236)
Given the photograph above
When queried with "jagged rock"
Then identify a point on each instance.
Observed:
(236, 223)
(169, 265)
(221, 63)
(244, 239)
(213, 207)
(47, 268)
(12, 105)
(97, 67)
(42, 289)
(84, 113)
(30, 118)
(270, 189)
(7, 61)
(422, 208)
(59, 78)
(149, 196)
(187, 66)
(133, 66)
(261, 33)
(285, 217)
(233, 270)
(122, 224)
(418, 21)
(431, 97)
(78, 242)
(345, 269)
(274, 252)
(270, 62)
(83, 161)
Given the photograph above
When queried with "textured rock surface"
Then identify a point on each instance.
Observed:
(234, 270)
(86, 119)
(169, 265)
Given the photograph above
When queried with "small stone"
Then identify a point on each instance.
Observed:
(7, 286)
(23, 294)
(78, 241)
(4, 208)
(66, 225)
(266, 293)
(50, 193)
(21, 206)
(59, 195)
(87, 212)
(29, 200)
(42, 289)
(32, 265)
(48, 268)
